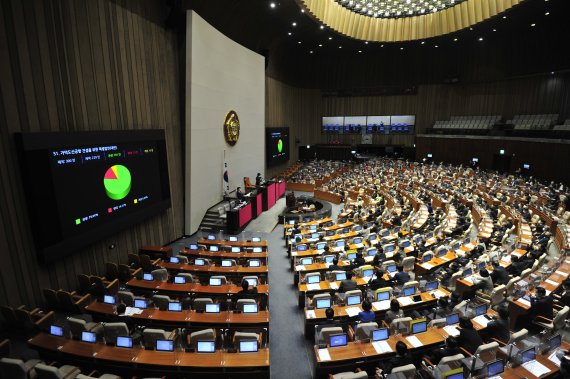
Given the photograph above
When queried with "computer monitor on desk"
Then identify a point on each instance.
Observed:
(206, 347)
(179, 280)
(383, 296)
(323, 303)
(340, 276)
(254, 263)
(89, 337)
(56, 330)
(528, 355)
(432, 286)
(164, 345)
(214, 248)
(248, 346)
(256, 239)
(351, 256)
(418, 326)
(257, 249)
(174, 260)
(313, 227)
(211, 237)
(452, 319)
(125, 341)
(379, 335)
(306, 261)
(140, 303)
(409, 291)
(313, 279)
(337, 340)
(480, 309)
(495, 368)
(233, 238)
(352, 299)
(213, 308)
(193, 246)
(392, 268)
(236, 249)
(199, 262)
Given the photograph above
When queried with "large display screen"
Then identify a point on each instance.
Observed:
(394, 124)
(85, 186)
(277, 145)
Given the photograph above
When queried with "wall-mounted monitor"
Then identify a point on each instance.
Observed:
(378, 124)
(276, 145)
(333, 124)
(84, 186)
(354, 124)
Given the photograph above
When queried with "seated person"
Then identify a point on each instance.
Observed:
(443, 309)
(335, 266)
(541, 305)
(450, 348)
(498, 328)
(401, 276)
(483, 281)
(500, 275)
(468, 337)
(245, 290)
(564, 297)
(239, 194)
(367, 315)
(348, 284)
(378, 281)
(359, 260)
(394, 312)
(517, 266)
(402, 358)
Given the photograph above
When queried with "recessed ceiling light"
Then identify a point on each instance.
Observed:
(436, 46)
(480, 38)
(360, 51)
(423, 42)
(401, 48)
(455, 39)
(290, 33)
(320, 45)
(366, 42)
(547, 13)
(381, 45)
(294, 24)
(272, 5)
(299, 42)
(302, 11)
(551, 72)
(340, 47)
(322, 26)
(533, 25)
(311, 52)
(494, 30)
(504, 16)
(470, 28)
(330, 38)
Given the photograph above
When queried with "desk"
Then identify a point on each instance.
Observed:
(238, 218)
(164, 319)
(223, 255)
(435, 263)
(156, 251)
(268, 192)
(227, 289)
(138, 361)
(241, 244)
(207, 271)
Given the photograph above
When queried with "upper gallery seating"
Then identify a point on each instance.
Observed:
(467, 122)
(533, 122)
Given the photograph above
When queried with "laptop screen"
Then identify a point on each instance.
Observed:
(257, 249)
(528, 355)
(368, 272)
(467, 272)
(248, 346)
(226, 263)
(175, 306)
(555, 342)
(254, 263)
(302, 247)
(313, 279)
(389, 248)
(174, 260)
(193, 246)
(233, 238)
(380, 334)
(211, 237)
(123, 341)
(147, 276)
(313, 227)
(323, 303)
(199, 262)
(206, 347)
(291, 222)
(256, 239)
(357, 228)
(352, 300)
(250, 308)
(140, 303)
(409, 291)
(213, 308)
(88, 337)
(356, 241)
(338, 340)
(55, 330)
(215, 281)
(432, 286)
(392, 268)
(340, 243)
(383, 296)
(351, 256)
(179, 280)
(321, 245)
(442, 252)
(307, 261)
(495, 368)
(371, 252)
(314, 235)
(341, 276)
(236, 249)
(329, 258)
(406, 243)
(452, 319)
(330, 233)
(108, 299)
(419, 327)
(164, 345)
(481, 310)
(458, 375)
(426, 258)
(252, 281)
(214, 248)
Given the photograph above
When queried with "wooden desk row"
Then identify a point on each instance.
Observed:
(143, 362)
(195, 288)
(242, 244)
(219, 255)
(208, 270)
(157, 318)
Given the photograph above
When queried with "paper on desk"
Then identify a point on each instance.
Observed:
(300, 268)
(554, 359)
(468, 280)
(470, 246)
(445, 259)
(427, 266)
(333, 286)
(506, 258)
(313, 287)
(366, 279)
(324, 355)
(551, 282)
(536, 368)
(328, 264)
(129, 311)
(382, 347)
(404, 301)
(438, 294)
(353, 311)
(414, 341)
(481, 320)
(381, 305)
(311, 314)
(451, 330)
(516, 254)
(562, 273)
(524, 302)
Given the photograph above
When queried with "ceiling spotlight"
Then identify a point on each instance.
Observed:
(480, 38)
(360, 51)
(547, 13)
(299, 42)
(330, 38)
(533, 25)
(340, 47)
(311, 52)
(401, 48)
(504, 17)
(551, 72)
(294, 24)
(455, 39)
(290, 33)
(322, 26)
(423, 42)
(320, 45)
(381, 45)
(272, 5)
(436, 46)
(470, 28)
(366, 42)
(302, 11)
(494, 30)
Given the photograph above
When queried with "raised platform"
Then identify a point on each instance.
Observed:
(302, 210)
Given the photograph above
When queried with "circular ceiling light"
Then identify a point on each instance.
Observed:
(396, 8)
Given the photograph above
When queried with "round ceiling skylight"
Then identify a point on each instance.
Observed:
(397, 8)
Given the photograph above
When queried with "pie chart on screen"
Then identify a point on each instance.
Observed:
(117, 181)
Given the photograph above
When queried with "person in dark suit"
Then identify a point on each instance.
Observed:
(564, 297)
(245, 290)
(468, 338)
(359, 260)
(498, 328)
(367, 315)
(335, 266)
(394, 312)
(541, 305)
(500, 275)
(449, 349)
(258, 180)
(402, 358)
(401, 276)
(517, 266)
(239, 194)
(379, 281)
(348, 284)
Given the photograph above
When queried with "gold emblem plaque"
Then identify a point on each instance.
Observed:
(231, 128)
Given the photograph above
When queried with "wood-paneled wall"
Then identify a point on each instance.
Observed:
(74, 65)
